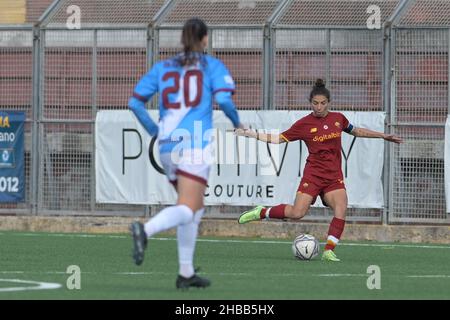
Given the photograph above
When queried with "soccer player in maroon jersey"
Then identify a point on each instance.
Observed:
(321, 131)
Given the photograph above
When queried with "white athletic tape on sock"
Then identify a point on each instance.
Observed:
(333, 239)
(268, 214)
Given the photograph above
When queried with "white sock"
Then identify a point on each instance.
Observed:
(186, 238)
(168, 218)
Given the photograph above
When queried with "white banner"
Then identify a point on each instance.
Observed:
(447, 163)
(245, 172)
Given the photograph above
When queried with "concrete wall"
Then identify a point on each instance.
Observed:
(230, 228)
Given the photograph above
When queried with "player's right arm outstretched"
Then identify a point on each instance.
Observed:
(265, 137)
(294, 133)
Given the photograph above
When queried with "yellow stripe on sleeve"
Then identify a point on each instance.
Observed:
(284, 138)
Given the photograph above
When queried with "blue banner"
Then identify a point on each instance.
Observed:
(12, 163)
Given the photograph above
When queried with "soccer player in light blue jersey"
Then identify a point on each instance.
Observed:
(187, 84)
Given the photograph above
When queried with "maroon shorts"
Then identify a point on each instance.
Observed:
(319, 187)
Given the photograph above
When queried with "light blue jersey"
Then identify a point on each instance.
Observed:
(185, 100)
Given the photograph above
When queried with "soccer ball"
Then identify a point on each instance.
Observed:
(305, 247)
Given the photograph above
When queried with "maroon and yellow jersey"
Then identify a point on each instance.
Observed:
(323, 139)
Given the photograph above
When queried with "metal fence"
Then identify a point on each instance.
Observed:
(420, 104)
(377, 55)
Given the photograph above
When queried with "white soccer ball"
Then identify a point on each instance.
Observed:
(305, 247)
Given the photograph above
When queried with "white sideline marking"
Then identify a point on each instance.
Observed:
(340, 243)
(429, 276)
(341, 275)
(74, 235)
(244, 274)
(39, 272)
(384, 245)
(139, 273)
(45, 285)
(40, 285)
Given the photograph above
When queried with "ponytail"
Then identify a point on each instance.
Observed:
(194, 31)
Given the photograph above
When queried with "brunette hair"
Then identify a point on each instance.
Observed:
(193, 32)
(319, 89)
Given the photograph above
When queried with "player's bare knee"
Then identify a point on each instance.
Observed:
(340, 213)
(298, 213)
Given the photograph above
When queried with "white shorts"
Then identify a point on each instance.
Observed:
(193, 163)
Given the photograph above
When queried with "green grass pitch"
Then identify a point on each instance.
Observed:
(238, 268)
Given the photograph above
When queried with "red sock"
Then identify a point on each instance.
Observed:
(334, 233)
(276, 212)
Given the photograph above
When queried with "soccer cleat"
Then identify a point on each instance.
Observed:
(251, 215)
(139, 241)
(329, 255)
(194, 281)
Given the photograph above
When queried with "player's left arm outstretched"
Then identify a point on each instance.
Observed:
(366, 133)
(357, 132)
